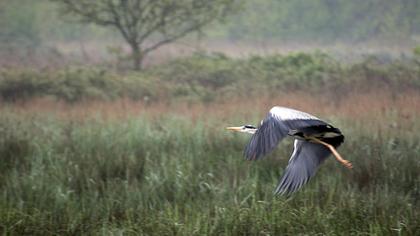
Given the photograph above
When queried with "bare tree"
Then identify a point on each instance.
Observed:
(148, 24)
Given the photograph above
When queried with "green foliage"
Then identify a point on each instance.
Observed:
(170, 176)
(79, 84)
(201, 76)
(416, 51)
(300, 70)
(208, 77)
(71, 85)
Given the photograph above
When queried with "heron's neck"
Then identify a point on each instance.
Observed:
(251, 131)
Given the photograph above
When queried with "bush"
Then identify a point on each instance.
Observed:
(71, 85)
(22, 84)
(81, 84)
(208, 77)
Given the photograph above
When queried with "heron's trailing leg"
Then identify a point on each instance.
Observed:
(337, 155)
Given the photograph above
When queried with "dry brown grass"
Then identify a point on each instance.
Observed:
(372, 106)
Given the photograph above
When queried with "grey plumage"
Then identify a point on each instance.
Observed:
(307, 155)
(303, 164)
(272, 130)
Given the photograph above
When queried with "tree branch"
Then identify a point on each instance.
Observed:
(138, 21)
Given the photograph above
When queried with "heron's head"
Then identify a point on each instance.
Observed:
(244, 129)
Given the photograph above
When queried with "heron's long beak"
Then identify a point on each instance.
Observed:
(234, 128)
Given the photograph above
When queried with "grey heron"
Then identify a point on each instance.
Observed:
(314, 141)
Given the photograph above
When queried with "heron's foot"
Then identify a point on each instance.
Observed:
(337, 155)
(347, 164)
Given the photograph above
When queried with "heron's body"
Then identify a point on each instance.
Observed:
(315, 140)
(326, 133)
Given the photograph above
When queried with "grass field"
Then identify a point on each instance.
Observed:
(128, 168)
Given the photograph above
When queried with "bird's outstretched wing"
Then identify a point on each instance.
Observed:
(303, 163)
(278, 123)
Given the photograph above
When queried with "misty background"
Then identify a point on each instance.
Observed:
(37, 33)
(95, 142)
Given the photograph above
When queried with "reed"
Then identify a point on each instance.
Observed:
(129, 168)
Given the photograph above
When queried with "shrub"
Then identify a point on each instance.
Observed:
(22, 84)
(208, 77)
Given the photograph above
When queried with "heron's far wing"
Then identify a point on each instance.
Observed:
(275, 127)
(303, 163)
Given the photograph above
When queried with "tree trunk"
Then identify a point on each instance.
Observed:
(137, 56)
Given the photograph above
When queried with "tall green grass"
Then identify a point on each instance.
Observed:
(173, 176)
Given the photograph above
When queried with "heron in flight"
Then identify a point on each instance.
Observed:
(315, 140)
